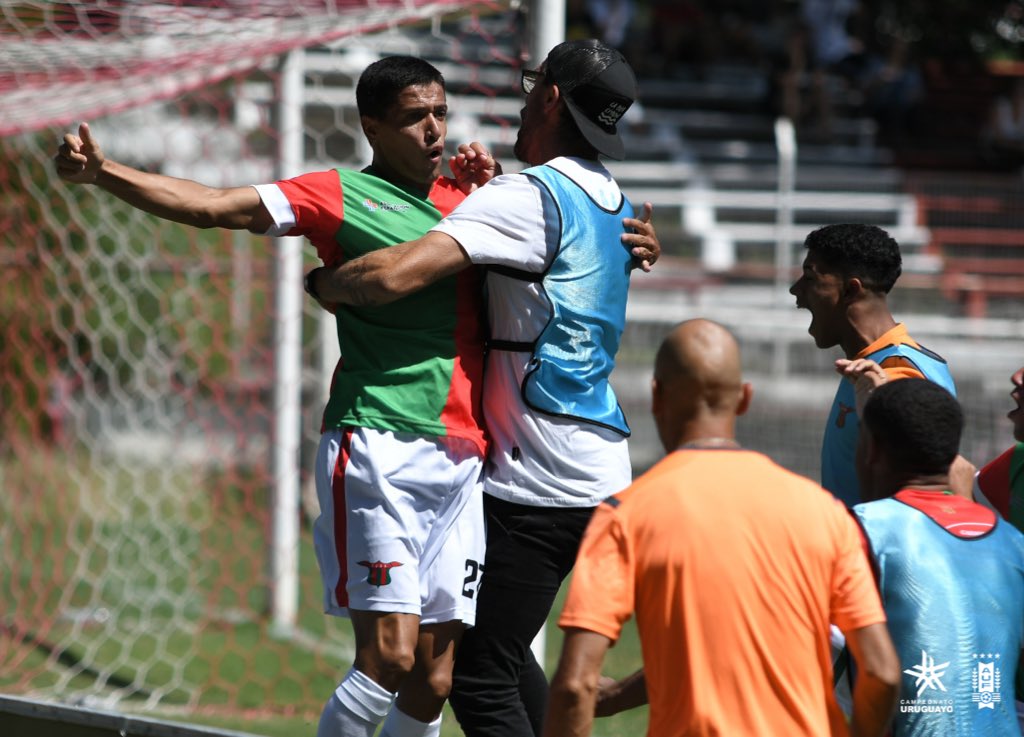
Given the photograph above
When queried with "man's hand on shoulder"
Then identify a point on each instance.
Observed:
(641, 239)
(866, 376)
(79, 159)
(961, 477)
(473, 166)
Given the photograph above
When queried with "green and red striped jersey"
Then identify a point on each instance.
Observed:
(1002, 483)
(414, 365)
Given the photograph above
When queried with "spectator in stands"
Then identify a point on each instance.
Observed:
(734, 568)
(834, 48)
(608, 20)
(681, 32)
(892, 86)
(847, 273)
(951, 575)
(824, 55)
(1003, 134)
(789, 72)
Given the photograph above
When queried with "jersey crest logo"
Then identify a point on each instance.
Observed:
(986, 681)
(841, 416)
(386, 206)
(379, 573)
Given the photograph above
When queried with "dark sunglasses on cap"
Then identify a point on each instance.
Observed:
(529, 80)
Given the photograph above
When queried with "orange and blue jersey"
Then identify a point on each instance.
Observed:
(902, 358)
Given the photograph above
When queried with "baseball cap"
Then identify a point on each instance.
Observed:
(598, 86)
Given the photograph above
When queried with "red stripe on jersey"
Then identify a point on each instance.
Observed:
(468, 365)
(445, 195)
(319, 208)
(341, 517)
(994, 482)
(957, 516)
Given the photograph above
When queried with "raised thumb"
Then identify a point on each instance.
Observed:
(86, 135)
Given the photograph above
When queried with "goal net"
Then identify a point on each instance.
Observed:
(138, 378)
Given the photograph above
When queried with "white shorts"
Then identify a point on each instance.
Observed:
(401, 526)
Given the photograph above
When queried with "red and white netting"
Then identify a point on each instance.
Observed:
(136, 355)
(66, 61)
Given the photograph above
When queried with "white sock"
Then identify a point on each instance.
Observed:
(400, 724)
(355, 709)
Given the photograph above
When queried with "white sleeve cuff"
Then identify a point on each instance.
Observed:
(278, 206)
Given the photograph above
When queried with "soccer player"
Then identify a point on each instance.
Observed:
(951, 573)
(847, 273)
(558, 271)
(398, 466)
(734, 568)
(1000, 483)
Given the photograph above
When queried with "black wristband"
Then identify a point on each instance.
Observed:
(309, 284)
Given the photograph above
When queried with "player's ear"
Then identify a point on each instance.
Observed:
(853, 288)
(657, 398)
(552, 96)
(369, 128)
(746, 396)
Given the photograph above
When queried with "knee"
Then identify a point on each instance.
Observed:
(439, 683)
(388, 666)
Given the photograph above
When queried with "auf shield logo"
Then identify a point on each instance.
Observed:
(986, 681)
(379, 573)
(371, 206)
(927, 674)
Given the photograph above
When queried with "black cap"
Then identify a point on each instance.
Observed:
(598, 86)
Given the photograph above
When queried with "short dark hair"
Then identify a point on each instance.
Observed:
(916, 423)
(382, 82)
(855, 250)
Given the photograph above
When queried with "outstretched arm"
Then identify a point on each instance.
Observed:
(80, 160)
(385, 275)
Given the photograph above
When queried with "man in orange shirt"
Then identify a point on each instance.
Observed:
(734, 568)
(847, 274)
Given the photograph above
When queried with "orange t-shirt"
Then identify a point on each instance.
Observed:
(734, 567)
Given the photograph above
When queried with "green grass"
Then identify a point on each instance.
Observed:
(622, 659)
(176, 556)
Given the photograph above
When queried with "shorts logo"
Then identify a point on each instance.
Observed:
(379, 573)
(986, 681)
(370, 204)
